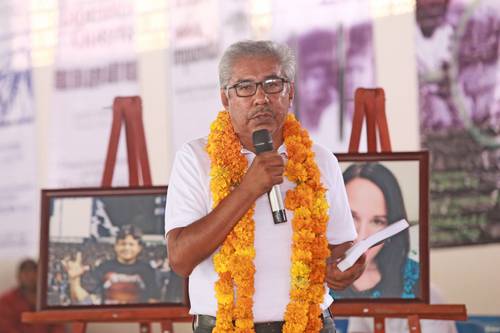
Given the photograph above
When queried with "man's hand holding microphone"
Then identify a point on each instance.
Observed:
(266, 173)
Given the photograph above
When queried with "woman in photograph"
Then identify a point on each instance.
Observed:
(376, 201)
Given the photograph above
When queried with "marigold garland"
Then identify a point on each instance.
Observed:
(234, 261)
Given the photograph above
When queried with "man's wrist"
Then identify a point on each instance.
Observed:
(247, 191)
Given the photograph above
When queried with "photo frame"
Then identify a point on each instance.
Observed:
(382, 188)
(105, 248)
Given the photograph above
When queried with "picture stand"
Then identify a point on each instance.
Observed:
(413, 312)
(370, 105)
(127, 111)
(78, 319)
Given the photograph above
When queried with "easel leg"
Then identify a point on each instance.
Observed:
(145, 327)
(414, 324)
(78, 327)
(379, 324)
(167, 326)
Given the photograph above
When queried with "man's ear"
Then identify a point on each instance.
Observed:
(224, 99)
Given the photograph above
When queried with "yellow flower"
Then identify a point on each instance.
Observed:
(220, 263)
(300, 269)
(301, 255)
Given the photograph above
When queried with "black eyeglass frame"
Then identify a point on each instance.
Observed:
(256, 85)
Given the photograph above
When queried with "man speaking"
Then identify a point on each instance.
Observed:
(246, 272)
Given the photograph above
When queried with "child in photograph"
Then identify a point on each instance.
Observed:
(121, 280)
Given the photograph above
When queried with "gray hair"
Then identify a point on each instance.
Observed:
(250, 48)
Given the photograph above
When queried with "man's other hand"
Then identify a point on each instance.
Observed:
(335, 278)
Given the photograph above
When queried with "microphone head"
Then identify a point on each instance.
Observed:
(262, 141)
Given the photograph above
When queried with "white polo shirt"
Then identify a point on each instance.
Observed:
(189, 199)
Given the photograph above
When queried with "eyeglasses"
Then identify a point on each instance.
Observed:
(249, 88)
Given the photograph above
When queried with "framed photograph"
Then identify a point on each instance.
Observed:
(383, 188)
(106, 248)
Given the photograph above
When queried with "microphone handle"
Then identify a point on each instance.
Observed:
(277, 207)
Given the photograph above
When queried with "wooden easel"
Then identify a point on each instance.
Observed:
(127, 111)
(370, 105)
(413, 312)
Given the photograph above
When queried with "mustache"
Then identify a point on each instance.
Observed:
(258, 111)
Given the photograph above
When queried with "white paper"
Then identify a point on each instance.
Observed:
(361, 247)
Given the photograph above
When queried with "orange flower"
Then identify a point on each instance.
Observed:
(234, 262)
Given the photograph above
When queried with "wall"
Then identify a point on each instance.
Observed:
(469, 275)
(464, 275)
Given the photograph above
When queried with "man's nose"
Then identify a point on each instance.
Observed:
(260, 95)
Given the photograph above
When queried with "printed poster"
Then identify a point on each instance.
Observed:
(333, 42)
(457, 45)
(18, 156)
(95, 62)
(200, 32)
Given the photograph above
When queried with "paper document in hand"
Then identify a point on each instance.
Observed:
(359, 248)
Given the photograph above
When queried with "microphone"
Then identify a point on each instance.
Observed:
(263, 142)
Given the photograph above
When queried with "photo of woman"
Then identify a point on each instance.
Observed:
(376, 201)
